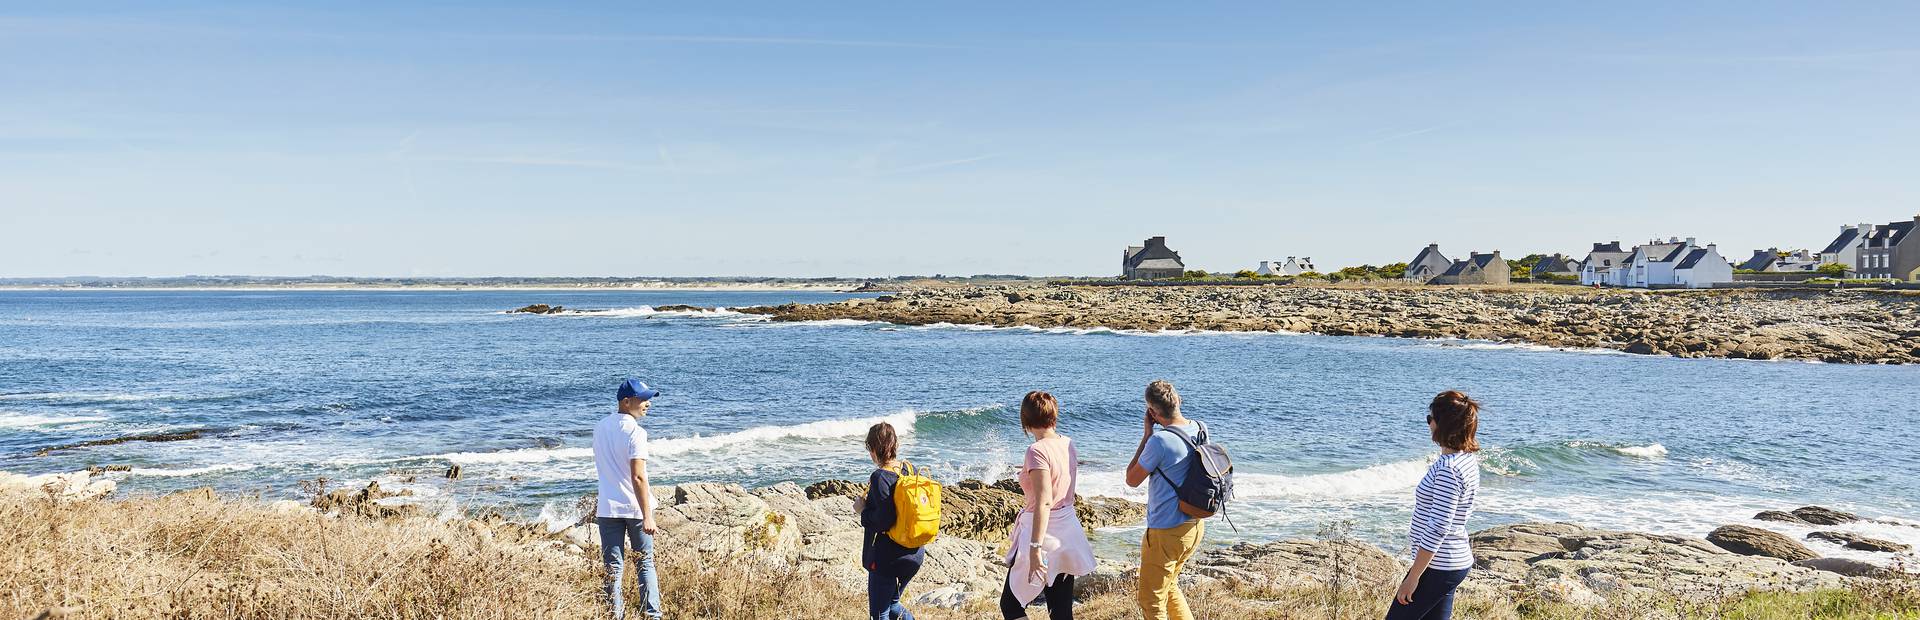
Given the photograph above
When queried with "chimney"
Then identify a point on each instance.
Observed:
(1690, 241)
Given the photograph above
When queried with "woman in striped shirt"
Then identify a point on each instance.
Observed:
(1441, 505)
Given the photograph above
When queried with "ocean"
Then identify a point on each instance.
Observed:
(1327, 432)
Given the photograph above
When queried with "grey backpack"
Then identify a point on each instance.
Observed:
(1209, 482)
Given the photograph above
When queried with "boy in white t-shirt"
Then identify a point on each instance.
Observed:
(625, 510)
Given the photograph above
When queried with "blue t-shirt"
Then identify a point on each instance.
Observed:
(1166, 454)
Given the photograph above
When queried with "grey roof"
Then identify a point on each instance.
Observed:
(1661, 252)
(1160, 263)
(1846, 238)
(1761, 260)
(1482, 260)
(1693, 258)
(1456, 269)
(1890, 235)
(1598, 260)
(1155, 249)
(1426, 254)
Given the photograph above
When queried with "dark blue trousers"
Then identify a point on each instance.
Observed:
(885, 581)
(1432, 599)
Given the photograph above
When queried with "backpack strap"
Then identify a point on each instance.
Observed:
(1192, 447)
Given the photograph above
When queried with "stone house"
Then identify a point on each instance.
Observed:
(1889, 255)
(1427, 265)
(1477, 269)
(1602, 262)
(1152, 261)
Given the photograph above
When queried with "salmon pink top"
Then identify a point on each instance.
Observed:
(1056, 456)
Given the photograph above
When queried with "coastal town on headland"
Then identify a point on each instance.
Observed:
(1861, 254)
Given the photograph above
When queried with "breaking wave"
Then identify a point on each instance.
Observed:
(903, 422)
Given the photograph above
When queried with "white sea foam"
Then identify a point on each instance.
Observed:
(86, 396)
(1367, 481)
(1097, 330)
(30, 421)
(824, 429)
(1651, 451)
(650, 311)
(764, 323)
(190, 471)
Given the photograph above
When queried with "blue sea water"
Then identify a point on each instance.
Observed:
(397, 385)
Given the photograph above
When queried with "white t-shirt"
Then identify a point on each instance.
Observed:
(618, 440)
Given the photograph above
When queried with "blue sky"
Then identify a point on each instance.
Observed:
(841, 138)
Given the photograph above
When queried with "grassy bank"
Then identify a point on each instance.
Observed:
(193, 555)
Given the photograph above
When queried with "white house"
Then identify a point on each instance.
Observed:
(1293, 266)
(1601, 263)
(1676, 263)
(1845, 249)
(1702, 267)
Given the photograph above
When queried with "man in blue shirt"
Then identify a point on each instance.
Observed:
(1172, 536)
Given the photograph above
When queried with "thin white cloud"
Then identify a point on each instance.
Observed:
(940, 164)
(594, 164)
(718, 39)
(1403, 135)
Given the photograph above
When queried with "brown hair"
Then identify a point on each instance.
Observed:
(1455, 419)
(1162, 396)
(882, 442)
(1039, 410)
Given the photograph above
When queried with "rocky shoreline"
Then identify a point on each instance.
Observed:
(813, 532)
(1840, 326)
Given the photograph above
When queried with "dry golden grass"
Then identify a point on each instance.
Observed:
(195, 556)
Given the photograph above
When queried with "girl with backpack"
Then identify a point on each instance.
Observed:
(1048, 546)
(1441, 505)
(889, 564)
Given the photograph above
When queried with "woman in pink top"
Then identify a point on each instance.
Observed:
(1049, 547)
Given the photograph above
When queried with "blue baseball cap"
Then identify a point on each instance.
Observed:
(633, 388)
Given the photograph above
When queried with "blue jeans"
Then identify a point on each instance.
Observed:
(885, 583)
(1432, 598)
(614, 533)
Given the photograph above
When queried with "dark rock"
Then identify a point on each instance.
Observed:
(830, 488)
(1845, 566)
(153, 437)
(681, 308)
(1640, 347)
(365, 503)
(453, 471)
(1746, 540)
(1819, 515)
(1779, 516)
(537, 309)
(1857, 542)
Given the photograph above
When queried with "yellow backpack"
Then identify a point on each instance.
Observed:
(916, 499)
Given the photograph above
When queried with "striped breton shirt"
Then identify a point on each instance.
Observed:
(1441, 505)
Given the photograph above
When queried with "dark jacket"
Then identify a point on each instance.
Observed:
(878, 517)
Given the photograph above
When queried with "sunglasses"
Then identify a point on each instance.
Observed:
(1429, 418)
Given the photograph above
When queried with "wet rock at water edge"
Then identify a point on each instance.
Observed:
(1820, 515)
(1746, 540)
(1779, 516)
(537, 309)
(1857, 542)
